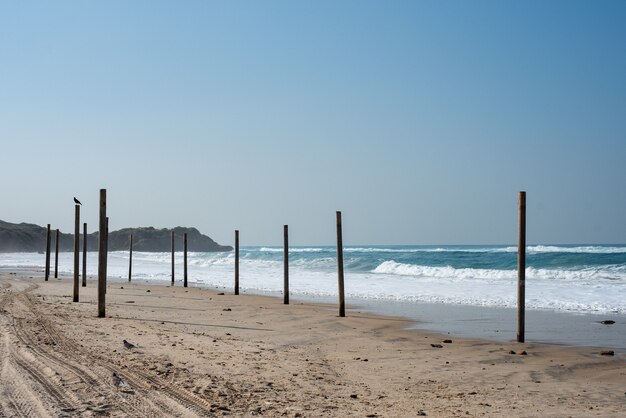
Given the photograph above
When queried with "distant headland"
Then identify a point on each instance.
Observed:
(26, 237)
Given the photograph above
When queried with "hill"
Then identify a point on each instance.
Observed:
(26, 237)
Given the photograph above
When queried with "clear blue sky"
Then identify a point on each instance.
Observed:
(420, 120)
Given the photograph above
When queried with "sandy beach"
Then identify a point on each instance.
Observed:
(200, 353)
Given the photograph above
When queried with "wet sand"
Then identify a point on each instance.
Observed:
(202, 354)
(499, 324)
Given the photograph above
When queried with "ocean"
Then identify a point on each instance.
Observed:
(564, 279)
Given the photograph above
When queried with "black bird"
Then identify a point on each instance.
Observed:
(128, 345)
(77, 202)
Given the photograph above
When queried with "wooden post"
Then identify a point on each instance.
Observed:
(47, 272)
(185, 258)
(85, 254)
(56, 255)
(102, 255)
(172, 258)
(130, 259)
(76, 251)
(286, 265)
(237, 262)
(342, 302)
(106, 251)
(521, 268)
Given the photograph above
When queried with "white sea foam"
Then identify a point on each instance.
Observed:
(531, 249)
(588, 249)
(599, 289)
(291, 250)
(591, 274)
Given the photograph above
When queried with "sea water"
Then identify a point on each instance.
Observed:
(585, 279)
(575, 279)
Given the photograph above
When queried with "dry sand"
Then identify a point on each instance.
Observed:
(203, 354)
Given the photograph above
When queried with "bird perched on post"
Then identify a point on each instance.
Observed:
(77, 202)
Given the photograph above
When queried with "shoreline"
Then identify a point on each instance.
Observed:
(572, 329)
(201, 353)
(496, 324)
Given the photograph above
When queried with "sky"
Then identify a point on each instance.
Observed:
(419, 120)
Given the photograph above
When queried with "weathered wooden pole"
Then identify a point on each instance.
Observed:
(286, 265)
(172, 258)
(106, 251)
(237, 262)
(521, 268)
(130, 258)
(342, 302)
(102, 255)
(76, 252)
(185, 260)
(85, 254)
(56, 255)
(47, 272)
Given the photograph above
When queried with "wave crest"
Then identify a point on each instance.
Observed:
(591, 274)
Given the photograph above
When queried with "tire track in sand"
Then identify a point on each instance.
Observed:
(167, 401)
(18, 395)
(37, 381)
(90, 380)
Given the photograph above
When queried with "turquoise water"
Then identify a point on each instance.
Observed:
(368, 258)
(465, 290)
(564, 278)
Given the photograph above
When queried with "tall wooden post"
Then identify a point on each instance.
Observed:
(47, 272)
(76, 251)
(102, 255)
(172, 258)
(106, 251)
(521, 268)
(85, 254)
(185, 260)
(342, 302)
(56, 255)
(286, 265)
(237, 262)
(130, 258)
